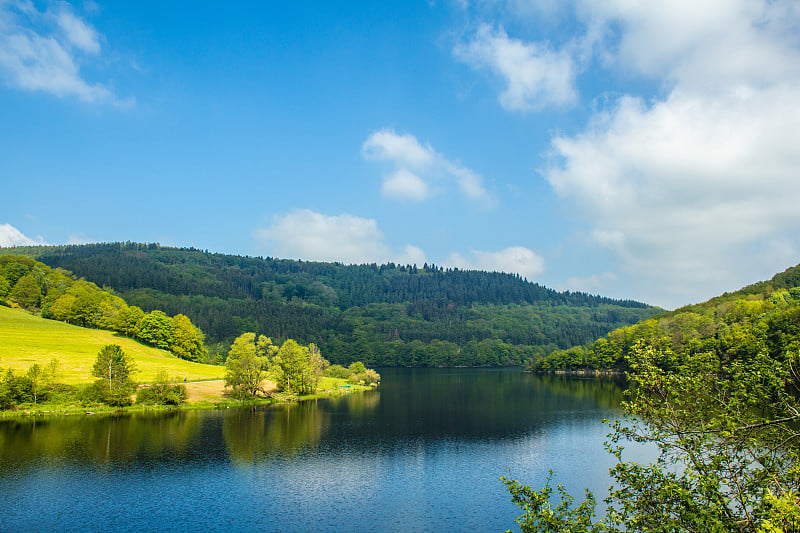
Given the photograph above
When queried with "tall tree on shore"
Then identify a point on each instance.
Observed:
(247, 364)
(113, 368)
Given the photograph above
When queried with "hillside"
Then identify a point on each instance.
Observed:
(26, 339)
(764, 316)
(388, 315)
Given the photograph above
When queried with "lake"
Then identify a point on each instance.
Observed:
(424, 452)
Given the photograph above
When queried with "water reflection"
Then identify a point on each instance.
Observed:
(426, 447)
(413, 405)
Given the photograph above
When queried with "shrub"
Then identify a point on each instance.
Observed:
(338, 371)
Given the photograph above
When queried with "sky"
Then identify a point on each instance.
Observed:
(637, 150)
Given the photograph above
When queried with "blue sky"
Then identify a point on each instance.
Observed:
(644, 150)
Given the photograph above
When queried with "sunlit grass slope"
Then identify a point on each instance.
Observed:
(26, 339)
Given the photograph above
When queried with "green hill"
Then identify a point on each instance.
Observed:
(383, 315)
(26, 339)
(763, 317)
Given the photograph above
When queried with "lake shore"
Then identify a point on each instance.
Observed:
(203, 395)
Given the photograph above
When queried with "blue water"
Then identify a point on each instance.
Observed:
(423, 453)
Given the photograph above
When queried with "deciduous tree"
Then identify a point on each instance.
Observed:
(247, 364)
(729, 450)
(187, 340)
(113, 368)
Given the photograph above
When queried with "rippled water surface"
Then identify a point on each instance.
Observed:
(423, 453)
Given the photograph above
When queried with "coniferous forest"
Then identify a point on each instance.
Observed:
(383, 315)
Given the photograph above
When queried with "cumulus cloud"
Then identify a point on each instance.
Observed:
(716, 42)
(11, 236)
(535, 76)
(512, 260)
(686, 189)
(42, 51)
(693, 190)
(696, 192)
(419, 172)
(405, 184)
(305, 234)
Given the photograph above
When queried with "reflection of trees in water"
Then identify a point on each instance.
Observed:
(359, 404)
(104, 439)
(485, 404)
(252, 434)
(426, 404)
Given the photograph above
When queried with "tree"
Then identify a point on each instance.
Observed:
(128, 320)
(728, 442)
(26, 292)
(187, 340)
(156, 328)
(5, 288)
(247, 364)
(37, 376)
(113, 368)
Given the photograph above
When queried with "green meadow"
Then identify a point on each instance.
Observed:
(26, 339)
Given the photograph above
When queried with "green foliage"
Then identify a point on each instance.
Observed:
(727, 433)
(162, 392)
(297, 368)
(540, 514)
(60, 297)
(730, 326)
(357, 368)
(26, 292)
(247, 364)
(14, 390)
(387, 315)
(5, 288)
(113, 368)
(338, 371)
(187, 340)
(156, 328)
(36, 385)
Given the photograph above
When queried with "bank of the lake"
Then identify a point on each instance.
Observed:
(334, 387)
(423, 452)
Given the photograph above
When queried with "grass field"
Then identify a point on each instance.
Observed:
(26, 339)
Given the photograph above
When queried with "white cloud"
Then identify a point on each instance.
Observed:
(686, 189)
(405, 149)
(535, 76)
(405, 184)
(304, 234)
(512, 260)
(11, 236)
(419, 172)
(715, 42)
(41, 51)
(695, 191)
(78, 33)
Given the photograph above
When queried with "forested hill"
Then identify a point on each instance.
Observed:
(381, 314)
(187, 271)
(761, 318)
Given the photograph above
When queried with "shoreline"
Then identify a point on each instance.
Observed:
(45, 410)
